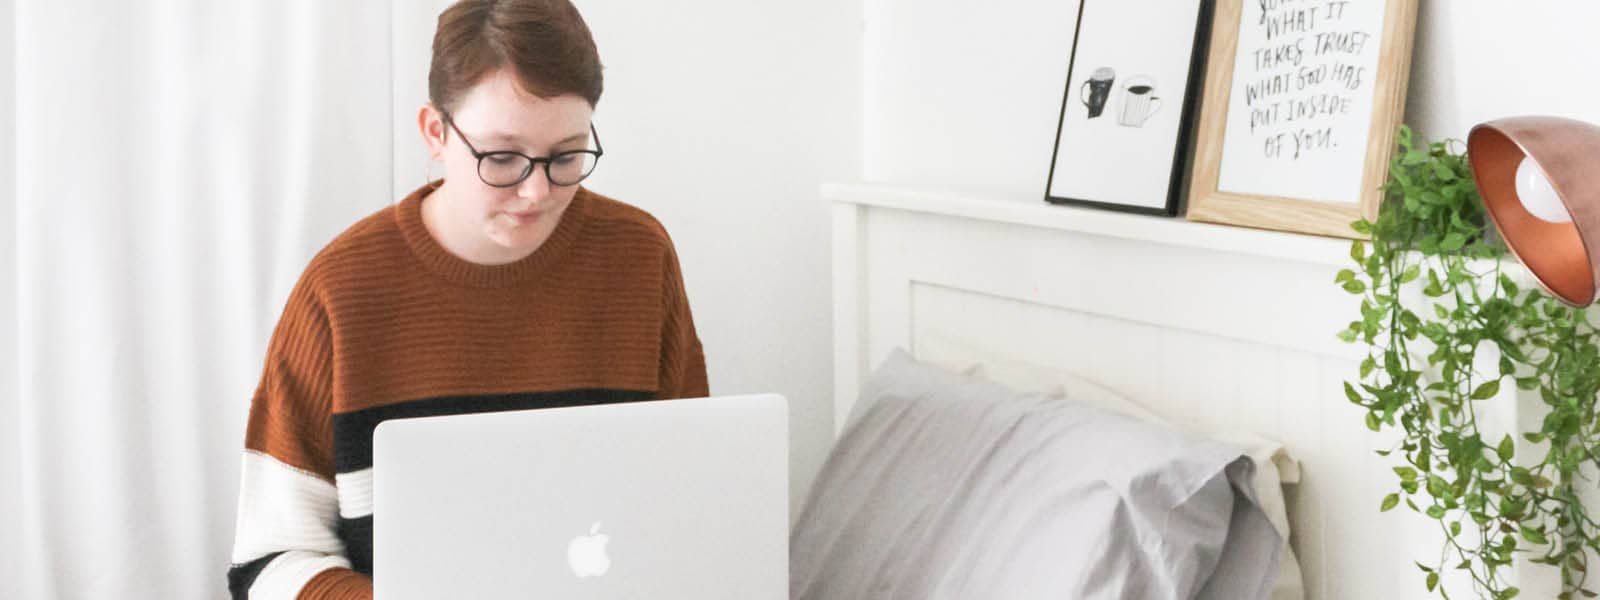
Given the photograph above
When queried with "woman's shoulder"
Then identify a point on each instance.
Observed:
(614, 220)
(363, 249)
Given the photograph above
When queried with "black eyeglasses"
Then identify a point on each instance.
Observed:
(506, 168)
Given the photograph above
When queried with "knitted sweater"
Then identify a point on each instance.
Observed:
(385, 323)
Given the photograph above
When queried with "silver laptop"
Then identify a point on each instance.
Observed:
(658, 499)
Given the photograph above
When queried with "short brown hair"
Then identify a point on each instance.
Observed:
(545, 42)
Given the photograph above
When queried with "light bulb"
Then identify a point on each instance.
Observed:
(1537, 195)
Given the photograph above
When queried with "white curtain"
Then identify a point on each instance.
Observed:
(175, 164)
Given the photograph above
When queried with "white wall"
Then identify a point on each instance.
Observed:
(721, 118)
(964, 97)
(964, 94)
(1477, 61)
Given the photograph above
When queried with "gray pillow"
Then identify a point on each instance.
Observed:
(948, 486)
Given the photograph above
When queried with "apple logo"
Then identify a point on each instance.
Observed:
(587, 553)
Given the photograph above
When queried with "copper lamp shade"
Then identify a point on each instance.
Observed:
(1560, 254)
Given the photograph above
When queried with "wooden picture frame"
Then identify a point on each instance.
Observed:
(1127, 113)
(1249, 179)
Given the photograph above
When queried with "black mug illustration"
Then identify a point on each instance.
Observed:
(1098, 90)
(1141, 102)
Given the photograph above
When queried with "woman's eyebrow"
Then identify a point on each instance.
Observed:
(573, 138)
(517, 139)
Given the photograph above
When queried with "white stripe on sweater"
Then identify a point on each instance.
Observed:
(355, 493)
(282, 508)
(286, 574)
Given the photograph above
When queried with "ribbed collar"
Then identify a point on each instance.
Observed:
(408, 215)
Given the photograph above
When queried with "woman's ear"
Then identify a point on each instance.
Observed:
(431, 123)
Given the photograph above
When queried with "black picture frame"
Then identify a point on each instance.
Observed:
(1185, 127)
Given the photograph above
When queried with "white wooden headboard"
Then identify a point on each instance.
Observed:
(1209, 325)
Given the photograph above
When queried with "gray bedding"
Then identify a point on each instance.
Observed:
(947, 486)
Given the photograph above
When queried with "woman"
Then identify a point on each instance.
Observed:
(504, 286)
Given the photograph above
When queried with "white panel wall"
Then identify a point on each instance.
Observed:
(1209, 326)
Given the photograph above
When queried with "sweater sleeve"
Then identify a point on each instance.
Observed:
(286, 543)
(683, 362)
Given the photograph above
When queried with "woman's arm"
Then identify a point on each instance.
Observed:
(286, 543)
(683, 362)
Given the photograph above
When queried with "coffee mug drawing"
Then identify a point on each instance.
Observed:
(1141, 102)
(1097, 90)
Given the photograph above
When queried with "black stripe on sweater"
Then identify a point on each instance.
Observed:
(352, 432)
(242, 576)
(357, 537)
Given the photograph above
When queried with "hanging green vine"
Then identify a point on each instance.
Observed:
(1493, 500)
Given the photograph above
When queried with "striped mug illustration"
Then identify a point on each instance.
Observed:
(1140, 101)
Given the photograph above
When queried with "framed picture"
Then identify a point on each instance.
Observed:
(1302, 102)
(1132, 82)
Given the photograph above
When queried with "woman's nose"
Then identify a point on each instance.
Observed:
(536, 185)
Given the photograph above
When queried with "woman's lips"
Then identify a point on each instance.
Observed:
(523, 218)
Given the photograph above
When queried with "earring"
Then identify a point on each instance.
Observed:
(427, 171)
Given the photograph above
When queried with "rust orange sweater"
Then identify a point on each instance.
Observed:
(385, 323)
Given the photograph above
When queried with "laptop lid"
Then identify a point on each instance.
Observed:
(657, 499)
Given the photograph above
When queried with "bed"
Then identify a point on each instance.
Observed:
(1213, 328)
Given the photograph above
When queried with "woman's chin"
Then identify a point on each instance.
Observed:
(520, 239)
